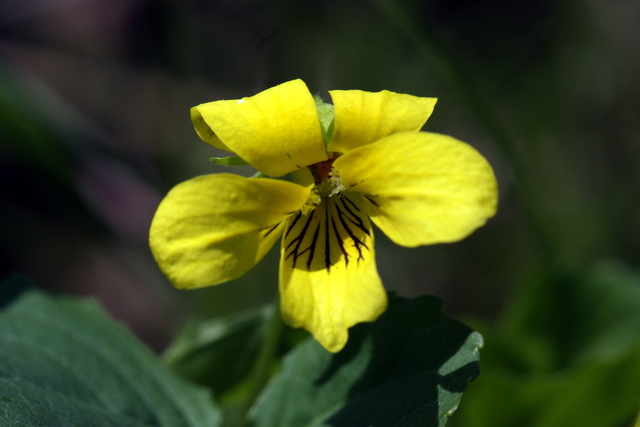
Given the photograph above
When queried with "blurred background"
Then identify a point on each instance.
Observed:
(95, 129)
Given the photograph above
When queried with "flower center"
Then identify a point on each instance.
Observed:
(322, 170)
(328, 182)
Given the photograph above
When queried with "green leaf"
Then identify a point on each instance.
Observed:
(220, 352)
(229, 161)
(226, 355)
(64, 363)
(409, 368)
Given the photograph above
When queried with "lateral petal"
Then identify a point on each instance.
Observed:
(213, 228)
(421, 188)
(328, 276)
(276, 131)
(364, 117)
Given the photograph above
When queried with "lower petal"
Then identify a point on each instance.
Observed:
(421, 188)
(328, 276)
(213, 228)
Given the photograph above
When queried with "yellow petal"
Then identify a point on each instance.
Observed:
(328, 276)
(213, 228)
(364, 117)
(276, 131)
(421, 188)
(303, 177)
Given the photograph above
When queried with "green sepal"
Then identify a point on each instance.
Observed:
(326, 114)
(229, 161)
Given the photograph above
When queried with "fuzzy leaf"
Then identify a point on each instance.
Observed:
(64, 363)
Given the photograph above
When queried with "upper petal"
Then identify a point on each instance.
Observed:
(213, 228)
(422, 188)
(276, 131)
(364, 117)
(328, 276)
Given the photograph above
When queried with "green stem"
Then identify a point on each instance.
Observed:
(262, 368)
(461, 82)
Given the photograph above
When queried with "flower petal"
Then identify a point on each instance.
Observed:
(328, 276)
(364, 117)
(276, 131)
(421, 188)
(213, 228)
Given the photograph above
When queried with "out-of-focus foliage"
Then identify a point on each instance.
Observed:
(566, 352)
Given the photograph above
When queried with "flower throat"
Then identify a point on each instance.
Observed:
(327, 179)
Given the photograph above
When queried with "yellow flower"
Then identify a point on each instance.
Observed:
(419, 188)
